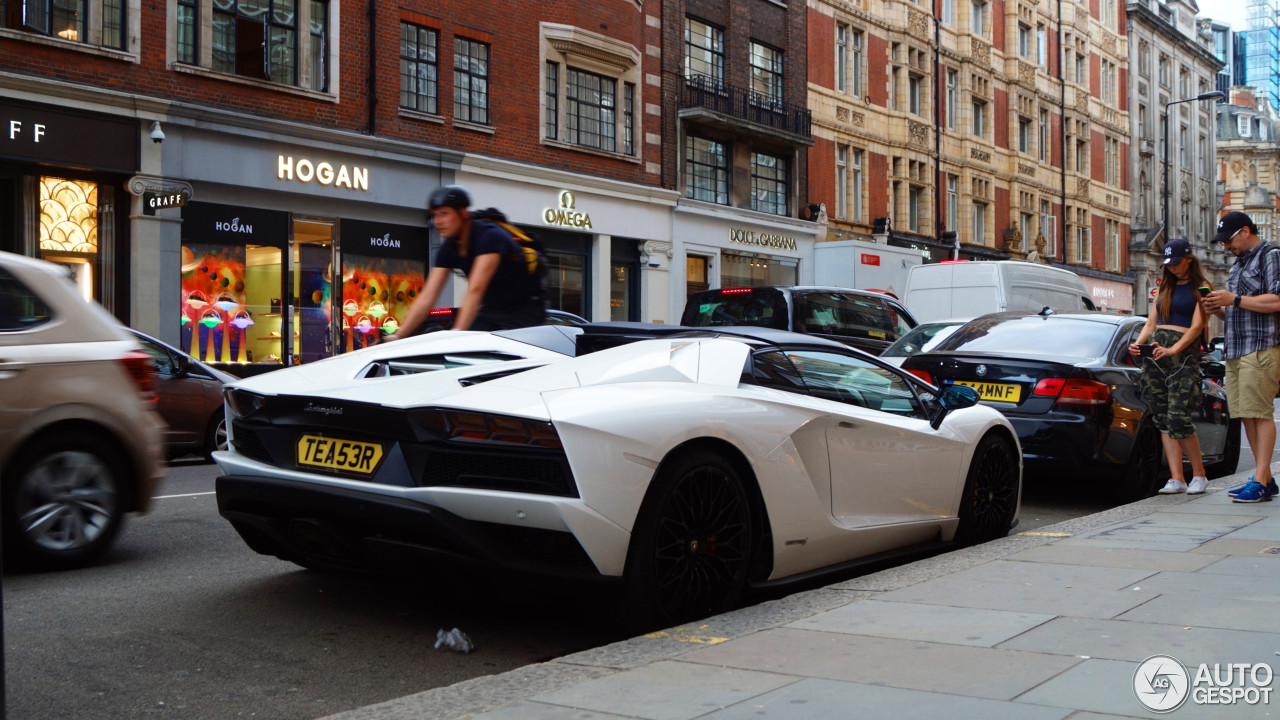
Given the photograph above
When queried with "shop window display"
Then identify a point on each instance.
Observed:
(376, 295)
(69, 228)
(741, 270)
(230, 308)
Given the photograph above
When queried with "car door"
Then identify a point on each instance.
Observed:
(180, 397)
(887, 464)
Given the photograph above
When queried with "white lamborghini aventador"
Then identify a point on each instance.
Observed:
(686, 466)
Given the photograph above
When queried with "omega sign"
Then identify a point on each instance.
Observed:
(769, 240)
(566, 215)
(325, 173)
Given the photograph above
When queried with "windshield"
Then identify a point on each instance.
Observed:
(757, 307)
(921, 339)
(1061, 338)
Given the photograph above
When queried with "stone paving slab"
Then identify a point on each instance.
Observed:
(1255, 566)
(1194, 585)
(667, 690)
(1106, 686)
(1257, 531)
(1225, 613)
(1152, 560)
(529, 710)
(971, 671)
(1223, 546)
(809, 699)
(1126, 544)
(1135, 641)
(927, 623)
(1220, 504)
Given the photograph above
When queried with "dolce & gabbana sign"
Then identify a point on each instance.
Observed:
(567, 214)
(768, 240)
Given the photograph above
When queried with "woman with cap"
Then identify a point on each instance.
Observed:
(1171, 370)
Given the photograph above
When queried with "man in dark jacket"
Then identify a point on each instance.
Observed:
(501, 291)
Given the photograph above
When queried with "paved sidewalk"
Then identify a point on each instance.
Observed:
(1051, 624)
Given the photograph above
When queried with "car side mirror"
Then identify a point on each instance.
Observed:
(181, 365)
(953, 397)
(1214, 370)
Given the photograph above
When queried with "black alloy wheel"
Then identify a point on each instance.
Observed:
(990, 492)
(692, 544)
(1145, 473)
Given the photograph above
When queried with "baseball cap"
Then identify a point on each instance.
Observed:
(1230, 224)
(1175, 250)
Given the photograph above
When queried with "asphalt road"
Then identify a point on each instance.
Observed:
(183, 620)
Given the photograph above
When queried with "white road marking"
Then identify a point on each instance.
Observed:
(169, 497)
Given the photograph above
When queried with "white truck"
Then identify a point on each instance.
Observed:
(863, 266)
(966, 289)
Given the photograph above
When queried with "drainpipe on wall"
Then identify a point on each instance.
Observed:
(1062, 138)
(937, 126)
(373, 68)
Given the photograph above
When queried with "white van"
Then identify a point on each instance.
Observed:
(969, 289)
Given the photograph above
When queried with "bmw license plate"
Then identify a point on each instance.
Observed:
(999, 392)
(348, 456)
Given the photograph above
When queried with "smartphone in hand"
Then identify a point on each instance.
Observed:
(1204, 290)
(1145, 350)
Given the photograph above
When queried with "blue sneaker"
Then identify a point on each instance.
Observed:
(1253, 492)
(1271, 488)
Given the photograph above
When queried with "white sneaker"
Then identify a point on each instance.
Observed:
(1197, 485)
(1173, 487)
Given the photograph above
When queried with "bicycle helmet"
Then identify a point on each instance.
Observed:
(454, 196)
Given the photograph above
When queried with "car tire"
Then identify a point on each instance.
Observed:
(1230, 455)
(990, 497)
(692, 544)
(1145, 472)
(64, 501)
(215, 438)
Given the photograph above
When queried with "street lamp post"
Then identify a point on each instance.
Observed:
(1164, 156)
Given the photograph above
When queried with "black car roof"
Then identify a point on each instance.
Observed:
(1092, 315)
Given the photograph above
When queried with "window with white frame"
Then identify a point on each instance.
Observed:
(915, 94)
(979, 229)
(977, 17)
(1144, 59)
(915, 208)
(590, 89)
(1202, 153)
(1107, 71)
(953, 95)
(1082, 65)
(855, 187)
(1048, 228)
(856, 63)
(1184, 159)
(766, 74)
(470, 81)
(842, 181)
(95, 23)
(1024, 135)
(768, 183)
(279, 41)
(706, 170)
(419, 68)
(1111, 152)
(1043, 144)
(1184, 82)
(1108, 14)
(1027, 226)
(842, 58)
(1042, 46)
(1112, 251)
(953, 202)
(1243, 123)
(948, 12)
(1024, 41)
(703, 52)
(979, 118)
(1162, 70)
(1084, 240)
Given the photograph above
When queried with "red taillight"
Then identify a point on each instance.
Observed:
(441, 311)
(922, 374)
(735, 291)
(142, 368)
(457, 425)
(1074, 391)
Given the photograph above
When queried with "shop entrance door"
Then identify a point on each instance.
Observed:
(312, 279)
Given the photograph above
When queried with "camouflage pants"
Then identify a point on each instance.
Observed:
(1172, 386)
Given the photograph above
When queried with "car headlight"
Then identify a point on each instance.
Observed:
(242, 402)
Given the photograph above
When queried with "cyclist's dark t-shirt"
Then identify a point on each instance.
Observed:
(512, 285)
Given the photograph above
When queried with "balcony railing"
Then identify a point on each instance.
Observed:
(743, 104)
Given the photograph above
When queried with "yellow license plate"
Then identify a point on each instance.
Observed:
(1000, 392)
(348, 456)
